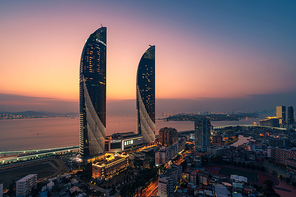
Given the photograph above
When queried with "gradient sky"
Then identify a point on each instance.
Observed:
(205, 50)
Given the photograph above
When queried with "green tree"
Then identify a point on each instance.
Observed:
(204, 160)
(281, 177)
(86, 173)
(184, 165)
(269, 183)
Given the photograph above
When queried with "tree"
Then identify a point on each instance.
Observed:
(152, 163)
(204, 160)
(11, 191)
(287, 179)
(268, 190)
(281, 177)
(269, 183)
(255, 186)
(218, 159)
(253, 167)
(138, 162)
(184, 165)
(87, 173)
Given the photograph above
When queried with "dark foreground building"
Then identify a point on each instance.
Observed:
(202, 134)
(146, 96)
(291, 115)
(92, 99)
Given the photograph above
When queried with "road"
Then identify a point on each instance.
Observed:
(151, 190)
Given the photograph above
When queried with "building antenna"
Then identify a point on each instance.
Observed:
(101, 25)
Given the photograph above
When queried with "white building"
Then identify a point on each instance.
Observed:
(166, 153)
(167, 182)
(221, 191)
(163, 185)
(237, 178)
(25, 184)
(162, 156)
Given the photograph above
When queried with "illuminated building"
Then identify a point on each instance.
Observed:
(111, 166)
(120, 142)
(202, 134)
(290, 115)
(25, 185)
(168, 136)
(146, 96)
(270, 122)
(92, 99)
(281, 114)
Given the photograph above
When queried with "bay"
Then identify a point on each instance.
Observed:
(39, 133)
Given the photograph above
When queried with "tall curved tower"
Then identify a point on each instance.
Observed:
(146, 96)
(92, 98)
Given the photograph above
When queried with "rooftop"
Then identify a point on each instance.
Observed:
(221, 191)
(29, 176)
(108, 160)
(123, 135)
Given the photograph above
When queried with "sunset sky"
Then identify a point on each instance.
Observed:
(210, 51)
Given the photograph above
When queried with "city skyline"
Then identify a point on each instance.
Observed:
(234, 51)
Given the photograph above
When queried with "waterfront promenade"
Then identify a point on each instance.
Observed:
(10, 157)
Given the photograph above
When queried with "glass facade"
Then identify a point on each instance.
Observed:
(146, 96)
(92, 101)
(281, 114)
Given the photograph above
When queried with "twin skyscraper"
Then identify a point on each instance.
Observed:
(92, 96)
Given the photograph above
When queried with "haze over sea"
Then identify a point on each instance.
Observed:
(38, 133)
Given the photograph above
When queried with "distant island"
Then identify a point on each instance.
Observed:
(212, 117)
(34, 114)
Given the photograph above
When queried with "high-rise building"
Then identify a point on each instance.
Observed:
(146, 96)
(168, 136)
(92, 99)
(291, 115)
(24, 185)
(281, 114)
(202, 134)
(168, 181)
